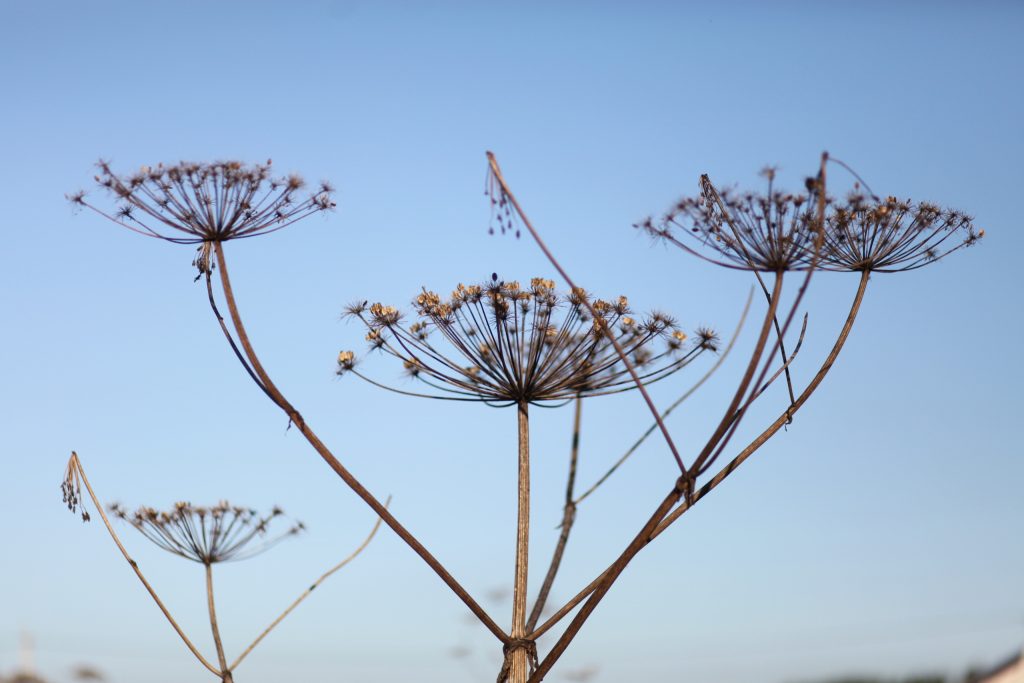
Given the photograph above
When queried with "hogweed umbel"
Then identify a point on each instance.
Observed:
(502, 344)
(208, 535)
(207, 203)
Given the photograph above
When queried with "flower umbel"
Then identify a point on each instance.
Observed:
(892, 235)
(517, 344)
(193, 203)
(219, 533)
(772, 232)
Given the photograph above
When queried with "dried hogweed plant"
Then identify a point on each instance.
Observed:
(770, 235)
(501, 344)
(205, 535)
(506, 345)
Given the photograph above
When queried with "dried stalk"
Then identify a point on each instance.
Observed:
(293, 415)
(517, 658)
(225, 674)
(507, 192)
(728, 469)
(75, 466)
(675, 404)
(306, 593)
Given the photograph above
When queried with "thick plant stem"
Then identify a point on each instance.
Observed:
(225, 673)
(519, 656)
(568, 518)
(335, 464)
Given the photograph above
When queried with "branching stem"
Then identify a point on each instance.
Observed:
(335, 464)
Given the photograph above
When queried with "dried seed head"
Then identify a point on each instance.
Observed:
(190, 203)
(71, 488)
(892, 235)
(772, 232)
(208, 535)
(523, 345)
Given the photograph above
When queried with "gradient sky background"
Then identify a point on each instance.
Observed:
(881, 533)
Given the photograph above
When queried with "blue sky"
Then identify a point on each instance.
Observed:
(880, 533)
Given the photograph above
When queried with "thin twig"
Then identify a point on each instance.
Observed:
(568, 518)
(507, 192)
(675, 404)
(734, 464)
(336, 465)
(74, 464)
(306, 593)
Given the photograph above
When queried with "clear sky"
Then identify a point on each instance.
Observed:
(880, 533)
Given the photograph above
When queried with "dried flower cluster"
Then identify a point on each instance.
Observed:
(772, 232)
(71, 489)
(778, 231)
(523, 345)
(211, 202)
(208, 535)
(892, 235)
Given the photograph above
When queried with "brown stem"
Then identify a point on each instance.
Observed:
(730, 414)
(336, 465)
(675, 404)
(225, 673)
(306, 593)
(76, 465)
(496, 172)
(735, 463)
(784, 418)
(568, 518)
(518, 660)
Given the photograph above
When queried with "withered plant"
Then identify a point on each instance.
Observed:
(206, 535)
(502, 344)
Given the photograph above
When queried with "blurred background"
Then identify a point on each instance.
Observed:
(878, 536)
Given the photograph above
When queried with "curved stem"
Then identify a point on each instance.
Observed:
(225, 672)
(75, 465)
(496, 173)
(675, 404)
(568, 518)
(336, 465)
(306, 593)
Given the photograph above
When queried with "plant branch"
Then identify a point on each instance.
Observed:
(732, 465)
(335, 464)
(225, 672)
(675, 404)
(306, 593)
(507, 192)
(75, 465)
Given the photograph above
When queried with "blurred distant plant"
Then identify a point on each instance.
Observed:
(503, 344)
(206, 535)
